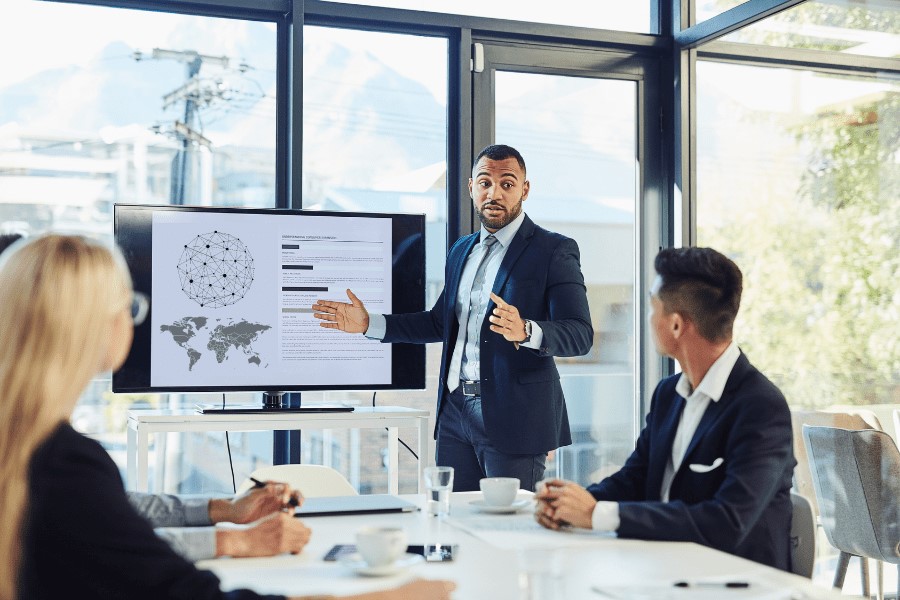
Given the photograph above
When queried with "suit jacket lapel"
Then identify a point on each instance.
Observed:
(662, 452)
(715, 408)
(516, 247)
(451, 286)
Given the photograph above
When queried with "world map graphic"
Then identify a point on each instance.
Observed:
(224, 337)
(215, 269)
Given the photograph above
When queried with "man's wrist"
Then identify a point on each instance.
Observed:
(219, 510)
(527, 332)
(229, 542)
(376, 327)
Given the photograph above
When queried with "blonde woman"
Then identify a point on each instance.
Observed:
(68, 529)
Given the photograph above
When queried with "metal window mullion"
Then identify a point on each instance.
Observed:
(733, 19)
(459, 135)
(294, 87)
(323, 12)
(799, 58)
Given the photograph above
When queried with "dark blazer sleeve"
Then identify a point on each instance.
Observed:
(83, 538)
(568, 330)
(439, 323)
(743, 507)
(417, 328)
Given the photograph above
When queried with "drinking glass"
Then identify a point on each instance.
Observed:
(540, 573)
(438, 485)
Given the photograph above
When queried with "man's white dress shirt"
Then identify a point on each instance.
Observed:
(606, 514)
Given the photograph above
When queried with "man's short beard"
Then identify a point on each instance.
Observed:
(503, 220)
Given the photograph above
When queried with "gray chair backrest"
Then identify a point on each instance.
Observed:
(803, 536)
(856, 475)
(803, 483)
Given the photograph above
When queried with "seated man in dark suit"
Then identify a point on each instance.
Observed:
(714, 463)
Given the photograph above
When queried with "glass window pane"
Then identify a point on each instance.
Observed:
(870, 28)
(137, 107)
(623, 16)
(375, 139)
(578, 138)
(798, 181)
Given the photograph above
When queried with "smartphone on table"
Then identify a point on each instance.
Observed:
(431, 552)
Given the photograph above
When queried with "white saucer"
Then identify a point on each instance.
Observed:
(500, 510)
(360, 567)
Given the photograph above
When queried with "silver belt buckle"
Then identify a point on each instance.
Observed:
(471, 388)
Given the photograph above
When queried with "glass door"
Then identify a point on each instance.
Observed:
(578, 118)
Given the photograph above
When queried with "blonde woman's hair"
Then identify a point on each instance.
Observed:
(59, 296)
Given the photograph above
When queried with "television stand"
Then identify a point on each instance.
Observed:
(144, 424)
(216, 409)
(272, 402)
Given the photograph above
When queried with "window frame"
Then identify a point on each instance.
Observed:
(668, 218)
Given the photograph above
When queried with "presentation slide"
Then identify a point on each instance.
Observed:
(232, 297)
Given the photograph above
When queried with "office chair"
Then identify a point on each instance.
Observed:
(803, 482)
(803, 536)
(856, 475)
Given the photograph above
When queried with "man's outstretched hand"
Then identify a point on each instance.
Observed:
(351, 317)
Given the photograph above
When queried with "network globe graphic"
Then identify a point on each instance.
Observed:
(215, 269)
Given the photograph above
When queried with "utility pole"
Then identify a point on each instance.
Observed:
(195, 93)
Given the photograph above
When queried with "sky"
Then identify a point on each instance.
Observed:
(74, 34)
(36, 36)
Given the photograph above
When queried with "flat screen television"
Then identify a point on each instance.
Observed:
(231, 291)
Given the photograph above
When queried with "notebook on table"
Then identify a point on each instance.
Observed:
(353, 505)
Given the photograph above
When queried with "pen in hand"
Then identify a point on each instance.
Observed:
(712, 584)
(261, 484)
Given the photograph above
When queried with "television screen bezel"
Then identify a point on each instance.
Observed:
(408, 293)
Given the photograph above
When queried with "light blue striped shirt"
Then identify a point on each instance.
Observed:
(470, 369)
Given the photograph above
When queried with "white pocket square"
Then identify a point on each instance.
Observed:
(698, 468)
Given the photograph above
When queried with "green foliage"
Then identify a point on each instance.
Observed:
(859, 186)
(821, 310)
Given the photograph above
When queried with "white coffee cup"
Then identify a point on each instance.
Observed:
(499, 491)
(380, 546)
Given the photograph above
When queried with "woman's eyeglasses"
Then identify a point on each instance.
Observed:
(140, 306)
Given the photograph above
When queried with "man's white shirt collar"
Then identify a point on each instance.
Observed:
(713, 383)
(506, 234)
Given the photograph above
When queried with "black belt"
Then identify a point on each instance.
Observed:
(470, 388)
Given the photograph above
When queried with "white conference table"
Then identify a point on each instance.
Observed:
(144, 423)
(491, 548)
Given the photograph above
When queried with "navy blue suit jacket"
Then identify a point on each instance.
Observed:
(742, 507)
(521, 398)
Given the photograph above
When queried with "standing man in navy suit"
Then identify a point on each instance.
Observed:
(500, 405)
(714, 463)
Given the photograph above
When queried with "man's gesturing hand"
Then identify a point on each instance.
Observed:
(506, 320)
(351, 317)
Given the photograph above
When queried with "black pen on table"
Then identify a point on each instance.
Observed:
(712, 584)
(261, 484)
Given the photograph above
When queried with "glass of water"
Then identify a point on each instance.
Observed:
(540, 573)
(438, 485)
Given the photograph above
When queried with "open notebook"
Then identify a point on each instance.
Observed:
(350, 505)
